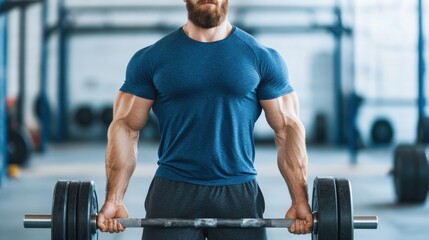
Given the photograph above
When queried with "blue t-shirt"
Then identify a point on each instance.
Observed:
(206, 98)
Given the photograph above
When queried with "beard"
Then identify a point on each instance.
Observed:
(207, 18)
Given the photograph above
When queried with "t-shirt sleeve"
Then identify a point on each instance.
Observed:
(274, 76)
(138, 77)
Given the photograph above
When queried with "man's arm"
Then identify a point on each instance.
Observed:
(130, 114)
(282, 115)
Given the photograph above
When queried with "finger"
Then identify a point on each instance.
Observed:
(121, 228)
(305, 227)
(110, 226)
(297, 227)
(308, 229)
(310, 224)
(115, 226)
(118, 226)
(300, 228)
(292, 228)
(100, 222)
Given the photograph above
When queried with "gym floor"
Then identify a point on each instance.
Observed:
(373, 192)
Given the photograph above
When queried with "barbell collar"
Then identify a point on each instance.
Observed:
(37, 221)
(365, 222)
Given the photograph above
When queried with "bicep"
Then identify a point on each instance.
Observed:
(131, 110)
(281, 111)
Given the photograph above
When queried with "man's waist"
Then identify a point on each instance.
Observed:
(203, 177)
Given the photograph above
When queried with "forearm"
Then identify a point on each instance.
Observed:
(292, 159)
(121, 155)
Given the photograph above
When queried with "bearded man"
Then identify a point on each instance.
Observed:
(207, 83)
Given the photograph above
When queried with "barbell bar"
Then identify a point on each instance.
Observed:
(75, 208)
(45, 221)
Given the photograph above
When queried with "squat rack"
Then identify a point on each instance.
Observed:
(3, 73)
(5, 7)
(421, 62)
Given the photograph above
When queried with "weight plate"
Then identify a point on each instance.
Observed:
(19, 147)
(423, 175)
(320, 129)
(410, 174)
(84, 116)
(324, 204)
(59, 210)
(382, 131)
(107, 115)
(72, 210)
(345, 209)
(94, 211)
(86, 212)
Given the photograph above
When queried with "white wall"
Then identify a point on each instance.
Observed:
(386, 63)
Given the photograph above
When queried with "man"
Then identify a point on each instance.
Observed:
(207, 83)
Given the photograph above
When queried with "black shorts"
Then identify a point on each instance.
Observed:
(171, 199)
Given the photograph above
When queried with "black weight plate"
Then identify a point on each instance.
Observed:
(19, 146)
(320, 129)
(94, 211)
(72, 210)
(84, 116)
(410, 174)
(324, 203)
(107, 115)
(382, 131)
(59, 210)
(345, 209)
(87, 208)
(404, 173)
(422, 182)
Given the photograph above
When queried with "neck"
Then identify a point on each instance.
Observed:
(210, 34)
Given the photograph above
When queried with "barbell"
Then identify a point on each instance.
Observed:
(75, 208)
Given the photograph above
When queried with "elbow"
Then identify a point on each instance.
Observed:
(289, 123)
(120, 128)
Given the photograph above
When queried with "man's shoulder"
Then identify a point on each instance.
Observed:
(169, 38)
(246, 38)
(262, 51)
(160, 45)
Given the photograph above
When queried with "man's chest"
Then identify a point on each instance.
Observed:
(206, 75)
